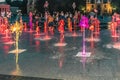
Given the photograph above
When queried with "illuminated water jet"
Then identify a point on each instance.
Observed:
(84, 24)
(61, 42)
(17, 31)
(16, 71)
(61, 31)
(72, 34)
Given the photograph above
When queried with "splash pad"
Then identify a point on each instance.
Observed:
(84, 24)
(73, 34)
(19, 51)
(17, 30)
(61, 42)
(114, 46)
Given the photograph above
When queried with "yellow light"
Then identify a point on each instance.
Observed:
(16, 29)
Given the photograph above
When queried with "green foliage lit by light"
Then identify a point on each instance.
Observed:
(81, 8)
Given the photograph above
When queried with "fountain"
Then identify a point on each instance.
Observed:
(25, 26)
(94, 29)
(61, 42)
(17, 31)
(5, 28)
(38, 34)
(83, 61)
(115, 37)
(97, 27)
(30, 21)
(37, 30)
(113, 29)
(6, 34)
(72, 31)
(69, 24)
(61, 57)
(61, 30)
(16, 71)
(45, 37)
(84, 24)
(37, 45)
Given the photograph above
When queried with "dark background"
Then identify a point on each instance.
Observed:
(57, 5)
(54, 5)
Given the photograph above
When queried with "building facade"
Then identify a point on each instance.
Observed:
(4, 8)
(101, 6)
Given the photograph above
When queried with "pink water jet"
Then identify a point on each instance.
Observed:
(30, 21)
(84, 24)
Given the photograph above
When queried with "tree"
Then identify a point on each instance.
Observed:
(21, 4)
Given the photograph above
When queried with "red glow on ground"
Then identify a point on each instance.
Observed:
(6, 48)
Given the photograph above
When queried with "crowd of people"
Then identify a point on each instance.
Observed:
(58, 20)
(61, 20)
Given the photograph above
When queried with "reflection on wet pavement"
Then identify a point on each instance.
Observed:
(9, 77)
(44, 60)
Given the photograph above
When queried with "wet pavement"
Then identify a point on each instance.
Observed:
(11, 77)
(44, 60)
